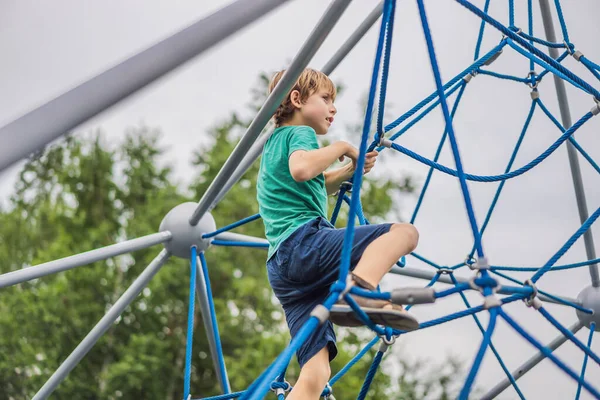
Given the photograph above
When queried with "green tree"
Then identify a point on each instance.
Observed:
(84, 193)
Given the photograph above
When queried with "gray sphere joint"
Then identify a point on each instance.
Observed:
(184, 234)
(590, 298)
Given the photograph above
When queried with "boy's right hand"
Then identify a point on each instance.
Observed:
(351, 152)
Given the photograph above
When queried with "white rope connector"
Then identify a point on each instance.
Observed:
(467, 78)
(385, 142)
(577, 55)
(491, 301)
(535, 94)
(321, 312)
(383, 347)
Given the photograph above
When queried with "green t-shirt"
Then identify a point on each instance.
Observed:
(285, 204)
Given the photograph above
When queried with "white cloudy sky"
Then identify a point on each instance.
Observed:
(49, 47)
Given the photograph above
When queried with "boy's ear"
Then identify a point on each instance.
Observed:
(295, 98)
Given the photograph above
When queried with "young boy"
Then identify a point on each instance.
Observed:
(305, 249)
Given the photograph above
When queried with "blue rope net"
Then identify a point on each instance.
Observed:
(484, 281)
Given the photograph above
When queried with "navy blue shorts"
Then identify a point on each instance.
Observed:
(302, 270)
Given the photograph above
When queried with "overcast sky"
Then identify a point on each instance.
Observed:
(49, 47)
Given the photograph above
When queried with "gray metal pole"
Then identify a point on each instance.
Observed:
(428, 275)
(308, 50)
(34, 130)
(532, 362)
(250, 158)
(353, 40)
(102, 326)
(63, 264)
(208, 325)
(238, 237)
(565, 114)
(257, 148)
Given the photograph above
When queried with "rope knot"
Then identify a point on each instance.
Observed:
(445, 271)
(515, 29)
(338, 287)
(387, 339)
(280, 387)
(480, 283)
(534, 79)
(533, 300)
(327, 393)
(470, 261)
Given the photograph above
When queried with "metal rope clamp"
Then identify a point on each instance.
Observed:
(477, 264)
(329, 390)
(568, 47)
(533, 300)
(493, 58)
(386, 343)
(445, 271)
(470, 262)
(533, 76)
(596, 109)
(571, 50)
(467, 78)
(275, 387)
(347, 185)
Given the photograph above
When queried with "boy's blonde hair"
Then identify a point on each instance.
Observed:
(309, 82)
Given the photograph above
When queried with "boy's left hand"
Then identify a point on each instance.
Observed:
(370, 159)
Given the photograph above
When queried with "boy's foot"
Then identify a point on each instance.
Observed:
(381, 312)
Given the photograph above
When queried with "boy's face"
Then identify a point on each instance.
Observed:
(318, 111)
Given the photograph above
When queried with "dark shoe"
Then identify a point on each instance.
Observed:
(343, 315)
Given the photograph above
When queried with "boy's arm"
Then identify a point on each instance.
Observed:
(305, 165)
(335, 177)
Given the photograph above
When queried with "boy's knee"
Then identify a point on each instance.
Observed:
(315, 381)
(409, 233)
(316, 375)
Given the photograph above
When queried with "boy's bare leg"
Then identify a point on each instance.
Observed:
(381, 255)
(314, 375)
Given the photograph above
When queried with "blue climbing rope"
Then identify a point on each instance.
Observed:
(585, 358)
(511, 379)
(213, 317)
(450, 129)
(548, 353)
(358, 175)
(190, 326)
(495, 178)
(231, 226)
